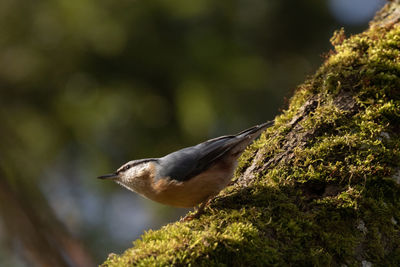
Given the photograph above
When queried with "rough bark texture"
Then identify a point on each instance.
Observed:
(321, 187)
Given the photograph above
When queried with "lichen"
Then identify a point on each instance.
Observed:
(305, 202)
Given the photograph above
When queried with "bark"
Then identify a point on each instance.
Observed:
(321, 187)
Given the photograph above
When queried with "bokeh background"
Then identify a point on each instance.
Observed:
(86, 85)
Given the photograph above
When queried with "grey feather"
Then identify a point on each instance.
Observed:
(188, 162)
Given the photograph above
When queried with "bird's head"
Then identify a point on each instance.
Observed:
(131, 171)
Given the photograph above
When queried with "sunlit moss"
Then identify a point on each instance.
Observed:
(333, 203)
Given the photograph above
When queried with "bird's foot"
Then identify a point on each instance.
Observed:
(233, 182)
(193, 216)
(198, 212)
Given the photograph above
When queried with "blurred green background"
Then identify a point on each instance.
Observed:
(88, 85)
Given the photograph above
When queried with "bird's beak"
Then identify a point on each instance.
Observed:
(110, 176)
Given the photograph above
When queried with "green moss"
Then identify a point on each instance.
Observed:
(332, 201)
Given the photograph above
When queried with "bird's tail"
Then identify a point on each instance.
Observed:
(246, 137)
(255, 130)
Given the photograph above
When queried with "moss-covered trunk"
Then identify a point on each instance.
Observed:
(321, 187)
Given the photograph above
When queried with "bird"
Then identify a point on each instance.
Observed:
(190, 176)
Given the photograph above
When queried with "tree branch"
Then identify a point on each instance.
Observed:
(319, 188)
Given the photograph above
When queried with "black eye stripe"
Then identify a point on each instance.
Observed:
(134, 163)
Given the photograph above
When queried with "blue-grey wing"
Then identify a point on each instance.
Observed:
(188, 162)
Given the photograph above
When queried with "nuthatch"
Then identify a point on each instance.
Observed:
(189, 176)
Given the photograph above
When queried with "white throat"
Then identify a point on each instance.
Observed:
(136, 178)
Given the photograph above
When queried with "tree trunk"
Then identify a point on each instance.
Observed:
(321, 187)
